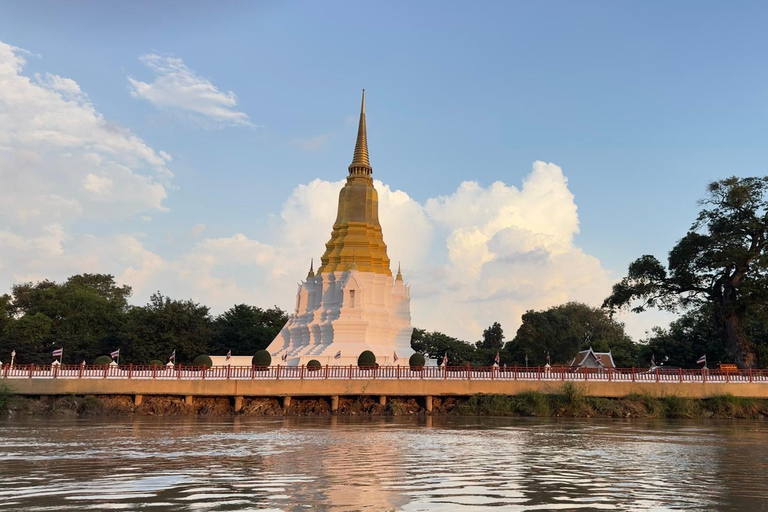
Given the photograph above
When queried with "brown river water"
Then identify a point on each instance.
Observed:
(343, 463)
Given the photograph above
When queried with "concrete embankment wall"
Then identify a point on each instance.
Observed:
(402, 388)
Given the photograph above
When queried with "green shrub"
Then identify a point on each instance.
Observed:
(680, 407)
(6, 397)
(729, 406)
(533, 403)
(313, 365)
(102, 360)
(367, 359)
(155, 362)
(416, 360)
(262, 358)
(203, 360)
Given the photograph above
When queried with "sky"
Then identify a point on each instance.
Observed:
(525, 153)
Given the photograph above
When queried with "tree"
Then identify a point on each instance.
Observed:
(164, 325)
(685, 340)
(563, 330)
(493, 338)
(30, 337)
(244, 329)
(720, 262)
(85, 315)
(436, 345)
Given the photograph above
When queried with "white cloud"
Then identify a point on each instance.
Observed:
(474, 257)
(179, 89)
(60, 159)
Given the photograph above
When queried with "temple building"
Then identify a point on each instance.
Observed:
(352, 303)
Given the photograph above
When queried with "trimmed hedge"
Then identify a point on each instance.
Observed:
(262, 358)
(313, 365)
(417, 360)
(203, 360)
(367, 358)
(155, 362)
(102, 360)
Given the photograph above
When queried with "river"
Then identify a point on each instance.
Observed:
(353, 463)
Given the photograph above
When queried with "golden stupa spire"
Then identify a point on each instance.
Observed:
(360, 163)
(356, 239)
(311, 272)
(399, 276)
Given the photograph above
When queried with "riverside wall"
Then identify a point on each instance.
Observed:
(361, 387)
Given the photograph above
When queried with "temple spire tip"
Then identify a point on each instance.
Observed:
(360, 161)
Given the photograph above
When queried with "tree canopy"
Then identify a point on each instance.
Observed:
(721, 263)
(562, 331)
(493, 338)
(89, 316)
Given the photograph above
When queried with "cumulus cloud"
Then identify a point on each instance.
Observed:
(61, 160)
(479, 255)
(179, 89)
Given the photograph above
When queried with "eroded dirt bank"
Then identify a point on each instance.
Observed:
(568, 404)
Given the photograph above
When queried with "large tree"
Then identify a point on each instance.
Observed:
(493, 338)
(561, 331)
(154, 331)
(436, 345)
(244, 329)
(685, 340)
(720, 262)
(83, 314)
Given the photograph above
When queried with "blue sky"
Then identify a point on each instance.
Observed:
(639, 104)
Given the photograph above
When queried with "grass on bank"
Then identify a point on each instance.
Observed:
(570, 401)
(6, 398)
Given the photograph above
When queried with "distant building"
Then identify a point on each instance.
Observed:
(591, 359)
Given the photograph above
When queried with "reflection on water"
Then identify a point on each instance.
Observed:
(411, 464)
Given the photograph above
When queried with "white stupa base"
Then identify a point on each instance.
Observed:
(347, 313)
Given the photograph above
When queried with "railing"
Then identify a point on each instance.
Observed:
(510, 373)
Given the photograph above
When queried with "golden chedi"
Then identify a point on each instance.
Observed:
(352, 303)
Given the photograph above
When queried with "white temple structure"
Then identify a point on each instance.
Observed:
(352, 303)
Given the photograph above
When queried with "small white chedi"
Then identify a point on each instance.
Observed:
(353, 303)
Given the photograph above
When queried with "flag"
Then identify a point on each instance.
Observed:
(58, 352)
(338, 355)
(285, 357)
(229, 355)
(496, 359)
(115, 354)
(547, 357)
(653, 360)
(395, 358)
(173, 356)
(702, 359)
(445, 359)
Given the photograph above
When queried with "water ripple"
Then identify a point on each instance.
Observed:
(412, 464)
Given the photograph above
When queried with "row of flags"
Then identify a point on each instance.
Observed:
(59, 352)
(701, 360)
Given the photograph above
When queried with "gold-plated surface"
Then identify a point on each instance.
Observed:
(360, 163)
(356, 240)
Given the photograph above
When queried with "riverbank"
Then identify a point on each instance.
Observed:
(569, 401)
